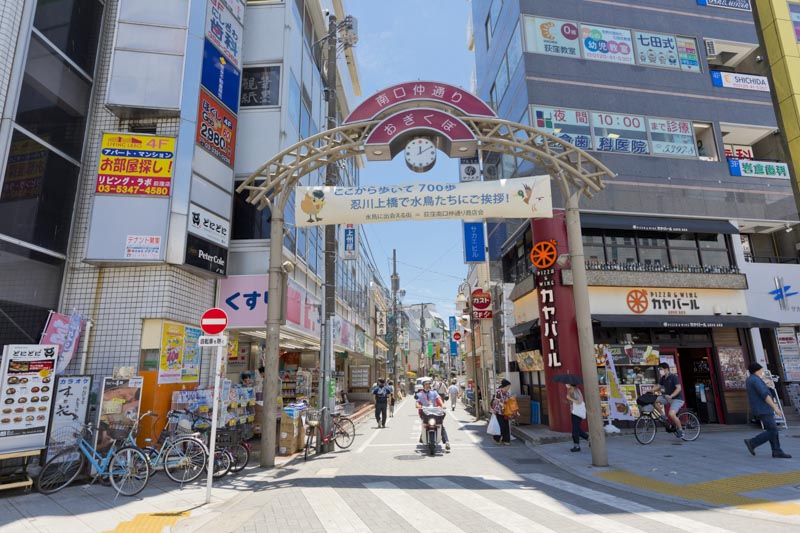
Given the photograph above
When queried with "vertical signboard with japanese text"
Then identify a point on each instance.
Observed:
(474, 243)
(27, 374)
(349, 242)
(455, 336)
(70, 408)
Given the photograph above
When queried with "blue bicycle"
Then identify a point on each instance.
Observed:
(127, 468)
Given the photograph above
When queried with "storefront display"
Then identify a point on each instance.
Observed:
(28, 371)
(731, 362)
(119, 407)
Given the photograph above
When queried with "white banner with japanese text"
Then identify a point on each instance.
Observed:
(528, 197)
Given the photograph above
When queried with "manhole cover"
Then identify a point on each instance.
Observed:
(530, 461)
(408, 457)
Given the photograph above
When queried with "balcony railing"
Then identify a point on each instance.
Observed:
(657, 267)
(774, 259)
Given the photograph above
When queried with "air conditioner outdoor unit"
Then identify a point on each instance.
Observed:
(711, 47)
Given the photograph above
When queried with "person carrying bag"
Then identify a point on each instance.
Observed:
(502, 398)
(577, 409)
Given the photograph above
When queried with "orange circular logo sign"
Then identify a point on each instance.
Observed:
(544, 254)
(637, 301)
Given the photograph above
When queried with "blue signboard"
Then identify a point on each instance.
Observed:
(743, 5)
(716, 78)
(474, 243)
(734, 166)
(220, 77)
(453, 344)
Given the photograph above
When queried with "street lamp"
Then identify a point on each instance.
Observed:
(465, 298)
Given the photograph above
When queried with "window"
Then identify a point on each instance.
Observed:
(54, 100)
(593, 246)
(248, 221)
(38, 194)
(683, 250)
(73, 26)
(621, 248)
(261, 86)
(514, 52)
(501, 82)
(293, 104)
(653, 249)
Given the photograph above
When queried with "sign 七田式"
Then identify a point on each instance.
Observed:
(607, 44)
(139, 165)
(551, 36)
(570, 125)
(527, 197)
(474, 244)
(224, 30)
(216, 129)
(758, 169)
(733, 80)
(615, 132)
(208, 226)
(220, 77)
(656, 50)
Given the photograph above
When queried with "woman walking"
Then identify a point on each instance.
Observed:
(578, 410)
(498, 407)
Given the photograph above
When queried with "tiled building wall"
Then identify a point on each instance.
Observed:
(118, 299)
(10, 15)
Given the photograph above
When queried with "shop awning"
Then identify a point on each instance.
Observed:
(671, 225)
(520, 330)
(683, 321)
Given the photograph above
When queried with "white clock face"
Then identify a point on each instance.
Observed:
(420, 154)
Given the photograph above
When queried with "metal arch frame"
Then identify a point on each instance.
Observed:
(270, 184)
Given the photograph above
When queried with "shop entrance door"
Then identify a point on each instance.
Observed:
(699, 384)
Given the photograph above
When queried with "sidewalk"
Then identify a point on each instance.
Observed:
(715, 470)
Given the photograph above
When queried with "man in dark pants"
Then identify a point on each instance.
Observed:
(764, 408)
(381, 392)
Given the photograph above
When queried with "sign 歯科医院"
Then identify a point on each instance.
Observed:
(622, 133)
(735, 80)
(757, 169)
(216, 129)
(220, 77)
(613, 45)
(135, 164)
(206, 255)
(208, 226)
(224, 29)
(474, 243)
(527, 197)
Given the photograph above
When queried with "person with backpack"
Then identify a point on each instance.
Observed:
(381, 392)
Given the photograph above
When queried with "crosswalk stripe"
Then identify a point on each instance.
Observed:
(561, 508)
(332, 511)
(650, 513)
(416, 513)
(484, 506)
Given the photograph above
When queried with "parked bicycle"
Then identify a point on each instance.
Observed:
(223, 460)
(342, 431)
(645, 427)
(182, 457)
(125, 467)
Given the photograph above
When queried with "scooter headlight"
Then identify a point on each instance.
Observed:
(431, 421)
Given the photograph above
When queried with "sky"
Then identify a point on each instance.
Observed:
(407, 41)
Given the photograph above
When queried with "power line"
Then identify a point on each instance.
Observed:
(435, 261)
(431, 271)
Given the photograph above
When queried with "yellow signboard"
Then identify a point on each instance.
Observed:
(139, 165)
(180, 354)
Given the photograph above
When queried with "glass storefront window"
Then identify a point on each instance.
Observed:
(73, 26)
(621, 254)
(715, 258)
(653, 256)
(712, 240)
(54, 100)
(684, 257)
(681, 240)
(38, 194)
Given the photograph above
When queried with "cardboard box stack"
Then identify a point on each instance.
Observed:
(290, 430)
(524, 418)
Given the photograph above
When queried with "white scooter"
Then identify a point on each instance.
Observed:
(432, 420)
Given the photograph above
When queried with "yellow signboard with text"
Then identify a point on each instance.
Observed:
(133, 164)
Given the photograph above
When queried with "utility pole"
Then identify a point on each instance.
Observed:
(393, 342)
(331, 177)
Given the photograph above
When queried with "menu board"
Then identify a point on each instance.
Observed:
(69, 411)
(607, 44)
(359, 376)
(672, 137)
(571, 125)
(615, 132)
(119, 406)
(28, 371)
(731, 362)
(180, 354)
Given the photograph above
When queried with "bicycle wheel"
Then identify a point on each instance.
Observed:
(223, 460)
(241, 456)
(645, 429)
(184, 460)
(129, 470)
(345, 435)
(60, 471)
(152, 457)
(311, 442)
(691, 425)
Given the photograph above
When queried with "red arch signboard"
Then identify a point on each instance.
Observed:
(428, 91)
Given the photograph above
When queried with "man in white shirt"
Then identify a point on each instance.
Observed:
(453, 391)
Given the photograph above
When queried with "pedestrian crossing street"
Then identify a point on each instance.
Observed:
(538, 503)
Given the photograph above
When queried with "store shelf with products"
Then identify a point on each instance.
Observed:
(237, 405)
(636, 369)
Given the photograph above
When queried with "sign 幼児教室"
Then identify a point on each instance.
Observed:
(134, 164)
(527, 197)
(607, 44)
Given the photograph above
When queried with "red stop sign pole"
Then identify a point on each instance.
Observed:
(214, 321)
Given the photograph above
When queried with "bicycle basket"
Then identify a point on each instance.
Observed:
(118, 431)
(344, 409)
(313, 417)
(648, 398)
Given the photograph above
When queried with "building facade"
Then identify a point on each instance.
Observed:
(700, 214)
(126, 127)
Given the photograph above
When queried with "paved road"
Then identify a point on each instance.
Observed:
(386, 483)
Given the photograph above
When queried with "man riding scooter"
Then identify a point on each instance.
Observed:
(427, 398)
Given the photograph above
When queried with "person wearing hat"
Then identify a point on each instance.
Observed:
(765, 409)
(382, 392)
(498, 408)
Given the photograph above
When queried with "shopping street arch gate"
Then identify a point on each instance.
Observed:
(459, 124)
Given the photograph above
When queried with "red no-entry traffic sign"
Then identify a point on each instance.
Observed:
(214, 321)
(456, 336)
